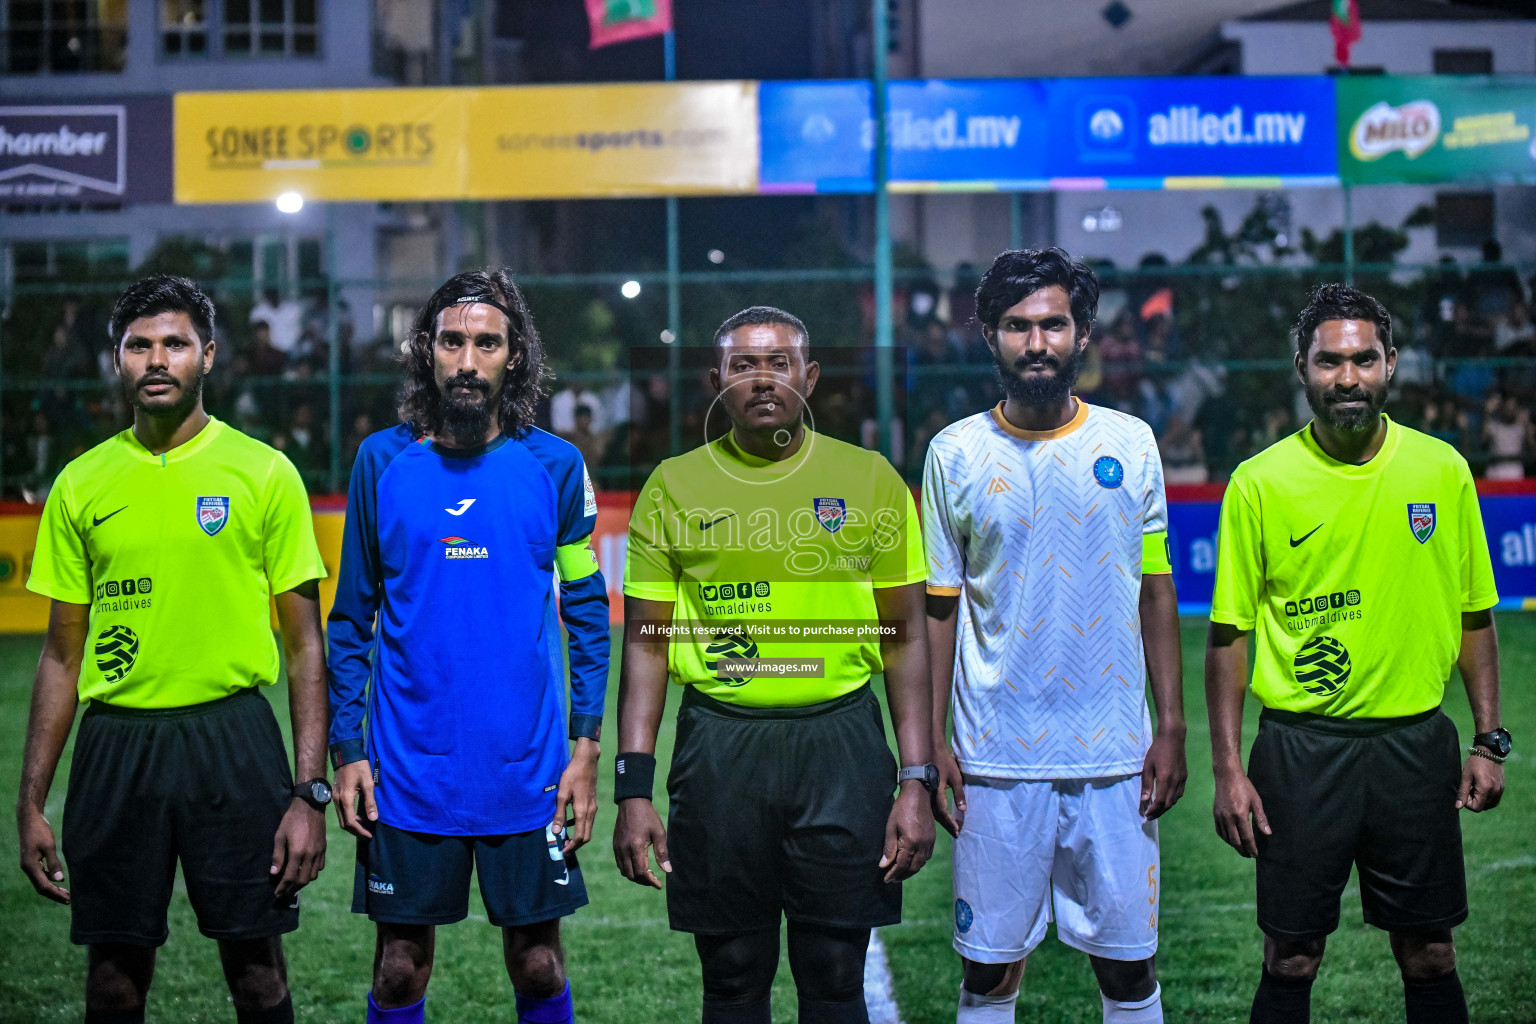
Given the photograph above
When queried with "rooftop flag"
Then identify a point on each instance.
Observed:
(619, 21)
(1343, 22)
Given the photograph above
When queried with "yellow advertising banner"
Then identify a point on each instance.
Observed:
(383, 144)
(573, 141)
(519, 142)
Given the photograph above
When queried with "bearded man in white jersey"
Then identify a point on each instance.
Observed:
(1049, 588)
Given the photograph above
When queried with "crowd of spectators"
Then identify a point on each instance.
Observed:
(1214, 389)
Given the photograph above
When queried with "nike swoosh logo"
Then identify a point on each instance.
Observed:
(1295, 542)
(462, 508)
(704, 526)
(98, 520)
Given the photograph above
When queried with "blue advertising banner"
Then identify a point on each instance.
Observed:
(1509, 520)
(1192, 132)
(815, 137)
(1024, 134)
(969, 135)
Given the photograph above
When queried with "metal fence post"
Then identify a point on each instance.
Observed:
(674, 290)
(885, 382)
(333, 344)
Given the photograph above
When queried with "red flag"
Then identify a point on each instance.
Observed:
(1344, 22)
(619, 21)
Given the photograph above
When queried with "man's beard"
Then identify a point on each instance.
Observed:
(466, 418)
(1350, 421)
(1040, 390)
(191, 394)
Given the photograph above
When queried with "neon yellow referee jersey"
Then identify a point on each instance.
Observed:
(1353, 577)
(177, 556)
(773, 560)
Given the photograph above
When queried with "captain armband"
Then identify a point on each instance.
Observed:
(1156, 558)
(576, 561)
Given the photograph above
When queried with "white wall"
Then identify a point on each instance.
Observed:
(1029, 38)
(1399, 47)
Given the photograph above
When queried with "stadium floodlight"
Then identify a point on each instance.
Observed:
(716, 256)
(629, 289)
(290, 202)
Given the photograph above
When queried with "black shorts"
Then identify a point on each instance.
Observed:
(207, 785)
(408, 877)
(779, 811)
(1379, 794)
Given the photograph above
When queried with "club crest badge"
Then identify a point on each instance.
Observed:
(1421, 520)
(212, 514)
(831, 513)
(1108, 471)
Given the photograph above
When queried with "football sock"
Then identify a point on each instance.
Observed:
(554, 1010)
(1139, 1011)
(1282, 1000)
(416, 1013)
(115, 1016)
(1436, 1001)
(848, 1011)
(282, 1013)
(975, 1009)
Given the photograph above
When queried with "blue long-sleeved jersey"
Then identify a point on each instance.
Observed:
(456, 697)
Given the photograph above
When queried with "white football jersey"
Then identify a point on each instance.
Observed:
(1042, 535)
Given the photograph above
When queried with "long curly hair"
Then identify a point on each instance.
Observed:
(524, 383)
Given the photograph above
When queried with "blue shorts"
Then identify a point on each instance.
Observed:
(419, 878)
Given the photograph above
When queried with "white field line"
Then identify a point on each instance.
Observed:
(879, 994)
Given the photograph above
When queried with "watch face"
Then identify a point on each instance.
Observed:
(320, 791)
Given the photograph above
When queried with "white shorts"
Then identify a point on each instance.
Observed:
(1079, 844)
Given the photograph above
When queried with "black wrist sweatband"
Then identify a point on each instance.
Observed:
(634, 775)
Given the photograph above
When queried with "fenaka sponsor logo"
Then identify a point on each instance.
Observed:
(460, 548)
(1410, 129)
(306, 146)
(63, 152)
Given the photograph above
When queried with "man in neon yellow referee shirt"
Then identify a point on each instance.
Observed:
(757, 567)
(1354, 549)
(161, 549)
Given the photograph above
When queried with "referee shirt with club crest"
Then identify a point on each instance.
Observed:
(178, 556)
(1353, 578)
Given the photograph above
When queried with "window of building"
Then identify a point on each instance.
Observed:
(183, 27)
(271, 28)
(240, 28)
(1463, 218)
(1463, 61)
(62, 36)
(72, 259)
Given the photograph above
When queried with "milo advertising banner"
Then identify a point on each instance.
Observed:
(1436, 129)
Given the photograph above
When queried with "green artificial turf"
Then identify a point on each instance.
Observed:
(628, 968)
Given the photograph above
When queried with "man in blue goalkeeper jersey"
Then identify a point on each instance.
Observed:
(446, 674)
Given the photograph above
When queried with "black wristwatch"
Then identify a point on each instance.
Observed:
(315, 792)
(1497, 741)
(927, 774)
